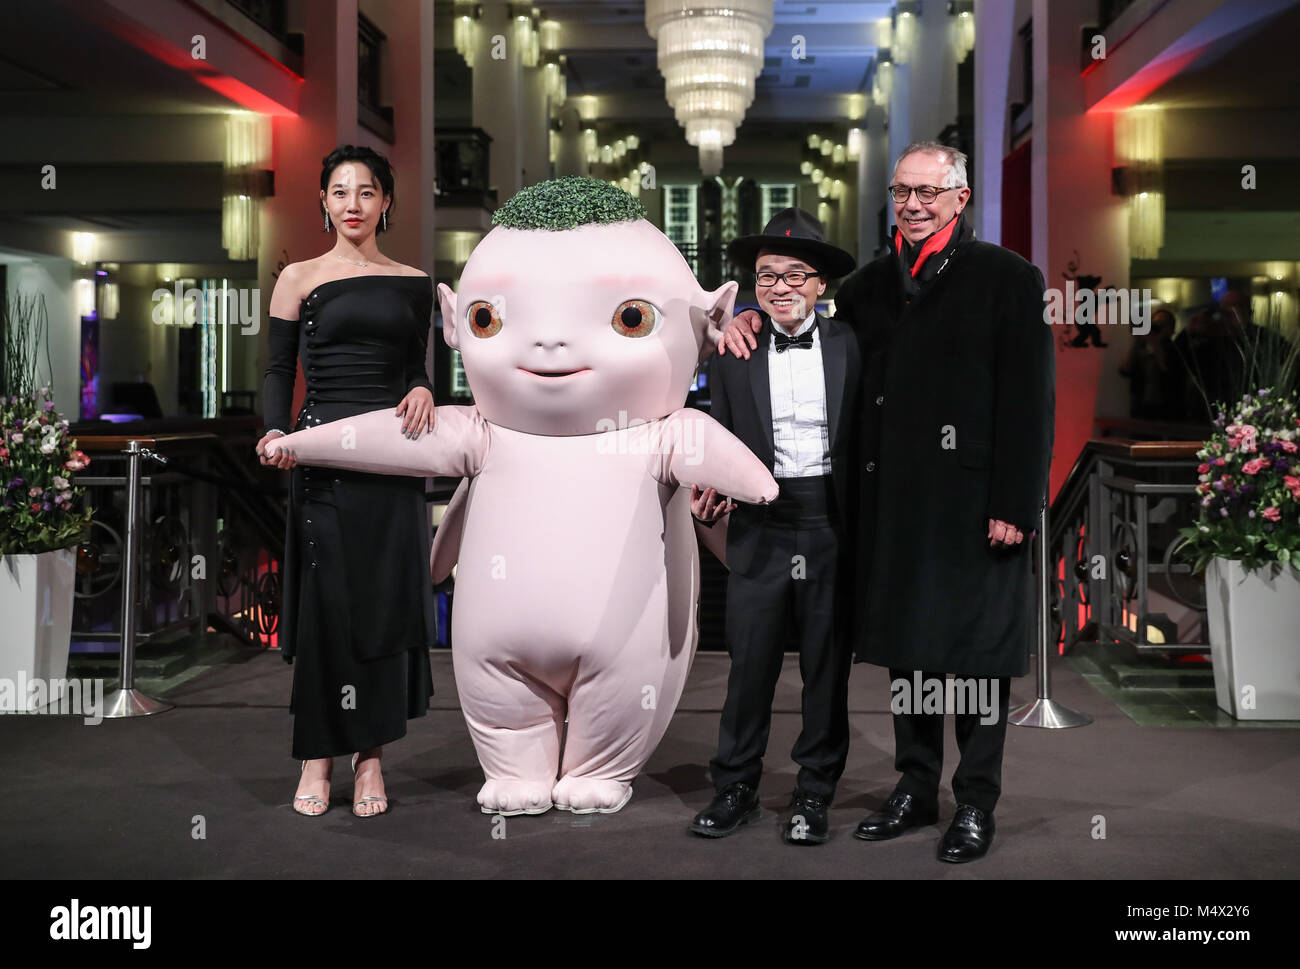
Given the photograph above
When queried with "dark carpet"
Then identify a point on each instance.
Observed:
(124, 799)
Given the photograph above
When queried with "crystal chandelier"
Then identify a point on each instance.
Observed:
(710, 52)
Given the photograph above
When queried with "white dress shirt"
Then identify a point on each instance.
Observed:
(797, 383)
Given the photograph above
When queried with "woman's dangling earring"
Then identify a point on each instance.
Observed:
(327, 220)
(384, 218)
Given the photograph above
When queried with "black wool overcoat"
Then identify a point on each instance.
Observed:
(958, 411)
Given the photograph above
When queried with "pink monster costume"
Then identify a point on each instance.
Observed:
(580, 327)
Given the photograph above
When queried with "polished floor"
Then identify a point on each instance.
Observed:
(1111, 800)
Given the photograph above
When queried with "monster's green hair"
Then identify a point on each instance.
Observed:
(566, 203)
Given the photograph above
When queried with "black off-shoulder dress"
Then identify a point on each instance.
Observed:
(357, 616)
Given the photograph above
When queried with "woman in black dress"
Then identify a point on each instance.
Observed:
(357, 618)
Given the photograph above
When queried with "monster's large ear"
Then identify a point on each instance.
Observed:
(447, 299)
(716, 316)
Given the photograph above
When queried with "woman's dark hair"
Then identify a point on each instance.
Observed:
(377, 164)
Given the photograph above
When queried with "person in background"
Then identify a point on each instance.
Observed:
(1155, 372)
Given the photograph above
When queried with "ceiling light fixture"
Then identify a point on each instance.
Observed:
(710, 52)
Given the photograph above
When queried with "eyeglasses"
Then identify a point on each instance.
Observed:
(926, 193)
(793, 279)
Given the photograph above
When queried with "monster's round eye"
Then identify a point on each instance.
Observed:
(635, 318)
(483, 319)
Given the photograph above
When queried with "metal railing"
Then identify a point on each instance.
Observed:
(185, 537)
(1114, 571)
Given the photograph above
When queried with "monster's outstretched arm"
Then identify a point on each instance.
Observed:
(691, 448)
(374, 442)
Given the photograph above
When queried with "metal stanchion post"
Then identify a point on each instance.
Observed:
(126, 700)
(1044, 711)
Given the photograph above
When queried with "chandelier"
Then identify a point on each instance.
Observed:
(710, 52)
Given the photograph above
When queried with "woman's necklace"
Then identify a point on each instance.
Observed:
(353, 261)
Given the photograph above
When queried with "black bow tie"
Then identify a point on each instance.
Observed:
(803, 341)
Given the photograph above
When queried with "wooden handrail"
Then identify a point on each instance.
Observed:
(118, 442)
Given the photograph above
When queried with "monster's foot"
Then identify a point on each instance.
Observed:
(587, 795)
(511, 795)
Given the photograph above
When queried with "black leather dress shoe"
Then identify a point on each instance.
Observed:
(901, 812)
(807, 824)
(734, 805)
(968, 837)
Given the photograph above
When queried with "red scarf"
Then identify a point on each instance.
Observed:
(932, 245)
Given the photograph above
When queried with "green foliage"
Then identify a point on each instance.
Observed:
(566, 203)
(25, 326)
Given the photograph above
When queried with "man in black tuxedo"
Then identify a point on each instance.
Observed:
(958, 407)
(795, 404)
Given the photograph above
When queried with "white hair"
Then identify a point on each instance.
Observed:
(953, 159)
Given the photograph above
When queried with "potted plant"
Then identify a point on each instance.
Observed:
(1247, 540)
(41, 517)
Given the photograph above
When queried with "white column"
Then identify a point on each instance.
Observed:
(994, 32)
(498, 97)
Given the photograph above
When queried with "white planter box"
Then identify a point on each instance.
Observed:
(1255, 640)
(35, 624)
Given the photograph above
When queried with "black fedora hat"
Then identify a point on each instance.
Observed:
(794, 232)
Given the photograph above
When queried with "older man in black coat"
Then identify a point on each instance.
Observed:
(959, 396)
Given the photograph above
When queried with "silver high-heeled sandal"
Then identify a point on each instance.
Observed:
(369, 798)
(309, 800)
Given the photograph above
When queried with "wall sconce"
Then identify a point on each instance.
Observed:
(239, 226)
(854, 148)
(904, 30)
(814, 141)
(826, 147)
(884, 33)
(805, 167)
(109, 301)
(527, 41)
(466, 29)
(962, 13)
(1140, 146)
(882, 81)
(817, 176)
(838, 155)
(83, 247)
(549, 32)
(633, 142)
(606, 154)
(557, 85)
(86, 297)
(246, 178)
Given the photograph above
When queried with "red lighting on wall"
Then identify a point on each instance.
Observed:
(178, 57)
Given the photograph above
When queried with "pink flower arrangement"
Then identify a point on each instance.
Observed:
(40, 507)
(1249, 485)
